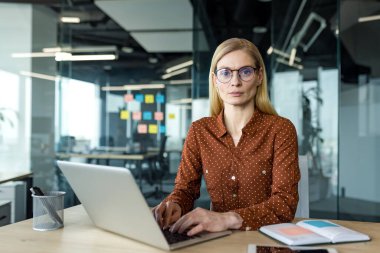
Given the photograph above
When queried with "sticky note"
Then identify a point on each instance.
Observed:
(139, 98)
(142, 128)
(160, 99)
(147, 116)
(128, 97)
(171, 116)
(124, 114)
(320, 223)
(158, 115)
(152, 128)
(149, 99)
(136, 115)
(162, 129)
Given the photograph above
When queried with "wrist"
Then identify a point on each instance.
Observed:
(234, 220)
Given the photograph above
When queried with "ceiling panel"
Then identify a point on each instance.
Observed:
(158, 25)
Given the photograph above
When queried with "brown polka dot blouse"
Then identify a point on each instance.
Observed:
(258, 178)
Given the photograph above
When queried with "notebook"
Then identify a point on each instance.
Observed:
(308, 232)
(115, 203)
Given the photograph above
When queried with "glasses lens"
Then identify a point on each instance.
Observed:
(224, 75)
(246, 73)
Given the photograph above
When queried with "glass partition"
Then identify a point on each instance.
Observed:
(359, 116)
(304, 88)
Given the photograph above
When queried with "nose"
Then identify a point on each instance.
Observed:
(235, 80)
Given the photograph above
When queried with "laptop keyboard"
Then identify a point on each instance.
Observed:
(176, 237)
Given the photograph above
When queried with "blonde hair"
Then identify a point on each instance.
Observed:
(262, 101)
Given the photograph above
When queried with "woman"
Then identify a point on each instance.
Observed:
(247, 154)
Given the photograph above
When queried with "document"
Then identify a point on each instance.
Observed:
(308, 232)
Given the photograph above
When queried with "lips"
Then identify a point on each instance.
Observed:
(235, 94)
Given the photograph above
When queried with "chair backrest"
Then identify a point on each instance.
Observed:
(162, 146)
(303, 189)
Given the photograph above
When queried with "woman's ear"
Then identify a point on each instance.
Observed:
(214, 80)
(260, 77)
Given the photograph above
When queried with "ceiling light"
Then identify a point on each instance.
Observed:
(174, 73)
(85, 57)
(152, 60)
(127, 50)
(72, 20)
(260, 29)
(38, 75)
(32, 55)
(292, 56)
(184, 81)
(369, 18)
(179, 66)
(281, 53)
(270, 50)
(133, 87)
(295, 65)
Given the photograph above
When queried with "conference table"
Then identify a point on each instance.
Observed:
(80, 235)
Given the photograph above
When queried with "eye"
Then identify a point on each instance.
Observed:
(246, 71)
(224, 72)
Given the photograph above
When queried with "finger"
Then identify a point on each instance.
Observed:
(158, 214)
(195, 230)
(189, 222)
(177, 224)
(167, 215)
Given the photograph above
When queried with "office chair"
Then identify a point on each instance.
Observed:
(159, 168)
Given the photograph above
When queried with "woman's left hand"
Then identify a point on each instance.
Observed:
(204, 220)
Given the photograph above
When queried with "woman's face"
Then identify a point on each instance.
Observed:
(241, 89)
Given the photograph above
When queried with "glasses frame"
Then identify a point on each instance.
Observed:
(232, 71)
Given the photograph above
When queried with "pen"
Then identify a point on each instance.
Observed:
(36, 191)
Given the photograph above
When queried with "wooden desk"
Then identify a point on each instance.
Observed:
(79, 235)
(25, 176)
(14, 176)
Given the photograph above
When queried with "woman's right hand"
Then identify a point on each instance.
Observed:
(166, 213)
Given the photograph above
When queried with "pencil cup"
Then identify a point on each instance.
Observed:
(48, 211)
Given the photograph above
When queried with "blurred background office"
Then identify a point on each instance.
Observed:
(119, 82)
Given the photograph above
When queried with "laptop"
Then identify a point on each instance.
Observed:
(115, 203)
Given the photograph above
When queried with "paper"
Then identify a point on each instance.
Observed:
(128, 97)
(171, 116)
(160, 99)
(139, 98)
(149, 99)
(162, 129)
(152, 128)
(136, 115)
(124, 114)
(142, 128)
(134, 106)
(147, 116)
(158, 115)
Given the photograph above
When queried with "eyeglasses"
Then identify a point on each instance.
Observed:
(245, 73)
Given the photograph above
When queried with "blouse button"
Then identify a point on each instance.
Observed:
(264, 172)
(206, 171)
(233, 177)
(248, 228)
(234, 195)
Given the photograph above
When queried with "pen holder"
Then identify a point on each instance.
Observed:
(48, 211)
